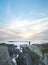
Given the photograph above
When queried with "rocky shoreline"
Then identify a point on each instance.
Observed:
(35, 54)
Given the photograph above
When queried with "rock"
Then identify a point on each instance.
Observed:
(4, 56)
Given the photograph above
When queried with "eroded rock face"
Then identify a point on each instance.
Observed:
(31, 55)
(39, 52)
(4, 56)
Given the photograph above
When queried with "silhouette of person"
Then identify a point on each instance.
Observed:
(29, 42)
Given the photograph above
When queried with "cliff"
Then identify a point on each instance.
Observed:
(39, 52)
(4, 55)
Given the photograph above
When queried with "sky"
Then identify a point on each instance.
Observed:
(24, 20)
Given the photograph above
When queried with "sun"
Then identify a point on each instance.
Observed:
(26, 34)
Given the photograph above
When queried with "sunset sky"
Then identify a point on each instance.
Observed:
(25, 20)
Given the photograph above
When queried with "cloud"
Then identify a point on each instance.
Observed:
(34, 26)
(25, 29)
(18, 24)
